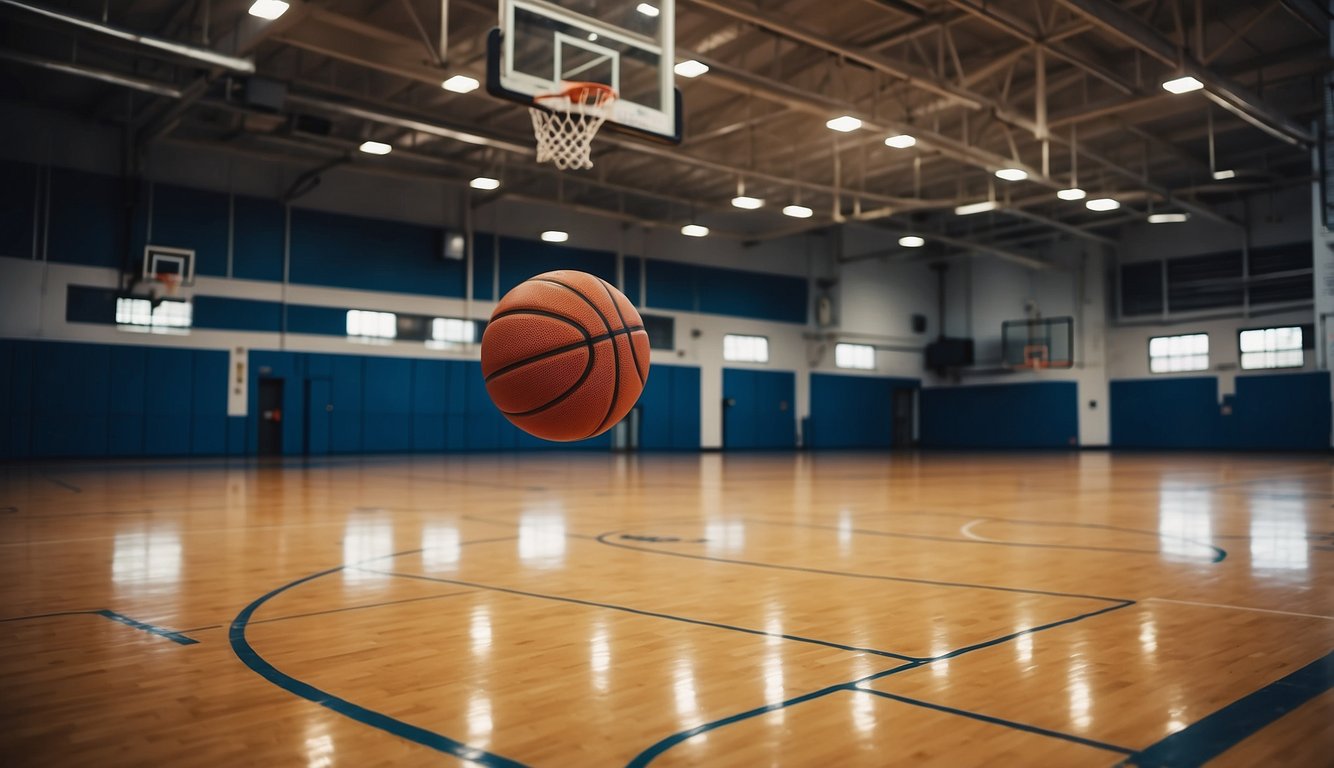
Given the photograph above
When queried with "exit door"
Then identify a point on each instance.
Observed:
(759, 409)
(905, 408)
(270, 417)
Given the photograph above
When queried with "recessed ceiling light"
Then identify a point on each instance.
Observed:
(1224, 175)
(902, 141)
(690, 68)
(1072, 193)
(844, 124)
(1012, 174)
(798, 211)
(1168, 218)
(592, 37)
(484, 182)
(1184, 84)
(460, 84)
(650, 11)
(268, 9)
(555, 236)
(1102, 204)
(749, 203)
(911, 241)
(971, 208)
(375, 148)
(694, 230)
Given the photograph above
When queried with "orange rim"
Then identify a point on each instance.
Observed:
(582, 93)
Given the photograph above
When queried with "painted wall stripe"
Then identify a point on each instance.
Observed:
(1206, 739)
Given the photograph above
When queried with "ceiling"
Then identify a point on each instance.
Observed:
(1067, 90)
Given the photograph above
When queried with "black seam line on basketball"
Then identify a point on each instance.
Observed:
(558, 399)
(633, 354)
(641, 612)
(602, 539)
(544, 313)
(615, 352)
(588, 341)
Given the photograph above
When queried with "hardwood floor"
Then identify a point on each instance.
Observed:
(590, 610)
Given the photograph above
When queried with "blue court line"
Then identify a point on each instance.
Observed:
(653, 614)
(1206, 739)
(175, 637)
(602, 539)
(998, 721)
(63, 484)
(336, 610)
(647, 756)
(259, 665)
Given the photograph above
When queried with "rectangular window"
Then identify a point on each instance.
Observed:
(1272, 348)
(859, 356)
(453, 329)
(661, 331)
(371, 325)
(1173, 354)
(745, 349)
(167, 317)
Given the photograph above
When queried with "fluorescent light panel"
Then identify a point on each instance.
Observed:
(1071, 193)
(268, 9)
(749, 203)
(911, 241)
(460, 84)
(690, 68)
(1102, 204)
(555, 236)
(902, 141)
(1184, 84)
(1168, 218)
(375, 148)
(971, 208)
(844, 124)
(694, 230)
(1012, 174)
(1224, 175)
(484, 182)
(798, 211)
(650, 11)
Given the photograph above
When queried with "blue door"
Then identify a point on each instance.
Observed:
(759, 409)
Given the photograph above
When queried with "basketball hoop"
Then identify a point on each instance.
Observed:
(1035, 356)
(565, 122)
(170, 283)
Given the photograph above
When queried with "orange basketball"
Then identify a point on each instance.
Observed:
(565, 356)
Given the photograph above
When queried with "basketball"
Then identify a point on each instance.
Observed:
(565, 356)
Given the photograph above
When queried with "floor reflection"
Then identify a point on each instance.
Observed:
(1278, 534)
(146, 558)
(1185, 519)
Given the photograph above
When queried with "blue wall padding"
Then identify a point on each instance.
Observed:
(242, 314)
(372, 255)
(88, 219)
(1284, 411)
(669, 409)
(763, 410)
(632, 266)
(522, 259)
(853, 411)
(692, 288)
(193, 219)
(1033, 415)
(258, 232)
(18, 201)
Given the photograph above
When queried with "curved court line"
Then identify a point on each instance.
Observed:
(260, 666)
(648, 755)
(602, 539)
(1217, 553)
(176, 637)
(653, 614)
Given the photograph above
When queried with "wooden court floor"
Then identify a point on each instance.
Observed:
(728, 610)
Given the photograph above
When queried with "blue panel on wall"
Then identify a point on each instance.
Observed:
(195, 219)
(70, 387)
(752, 294)
(759, 410)
(209, 433)
(324, 321)
(685, 407)
(1033, 415)
(483, 266)
(129, 400)
(1174, 412)
(18, 200)
(521, 259)
(22, 355)
(168, 408)
(85, 304)
(386, 404)
(6, 394)
(670, 285)
(669, 409)
(1287, 411)
(239, 314)
(853, 411)
(88, 219)
(371, 254)
(345, 434)
(257, 247)
(631, 267)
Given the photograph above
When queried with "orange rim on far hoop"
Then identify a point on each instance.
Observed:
(565, 122)
(170, 282)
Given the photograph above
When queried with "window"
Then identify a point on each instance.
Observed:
(1272, 348)
(745, 349)
(661, 331)
(167, 317)
(371, 325)
(1171, 354)
(453, 330)
(860, 356)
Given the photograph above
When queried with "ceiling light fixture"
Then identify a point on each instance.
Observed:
(902, 141)
(694, 230)
(844, 124)
(1183, 84)
(484, 182)
(555, 236)
(650, 11)
(1072, 193)
(1168, 218)
(1224, 175)
(460, 84)
(911, 241)
(268, 9)
(971, 208)
(1102, 204)
(747, 202)
(690, 68)
(1012, 174)
(798, 211)
(375, 148)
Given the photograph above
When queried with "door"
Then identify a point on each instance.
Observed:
(319, 414)
(759, 409)
(905, 406)
(270, 417)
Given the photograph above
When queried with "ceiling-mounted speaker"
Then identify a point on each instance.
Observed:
(263, 93)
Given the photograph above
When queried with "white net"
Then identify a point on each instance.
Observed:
(566, 127)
